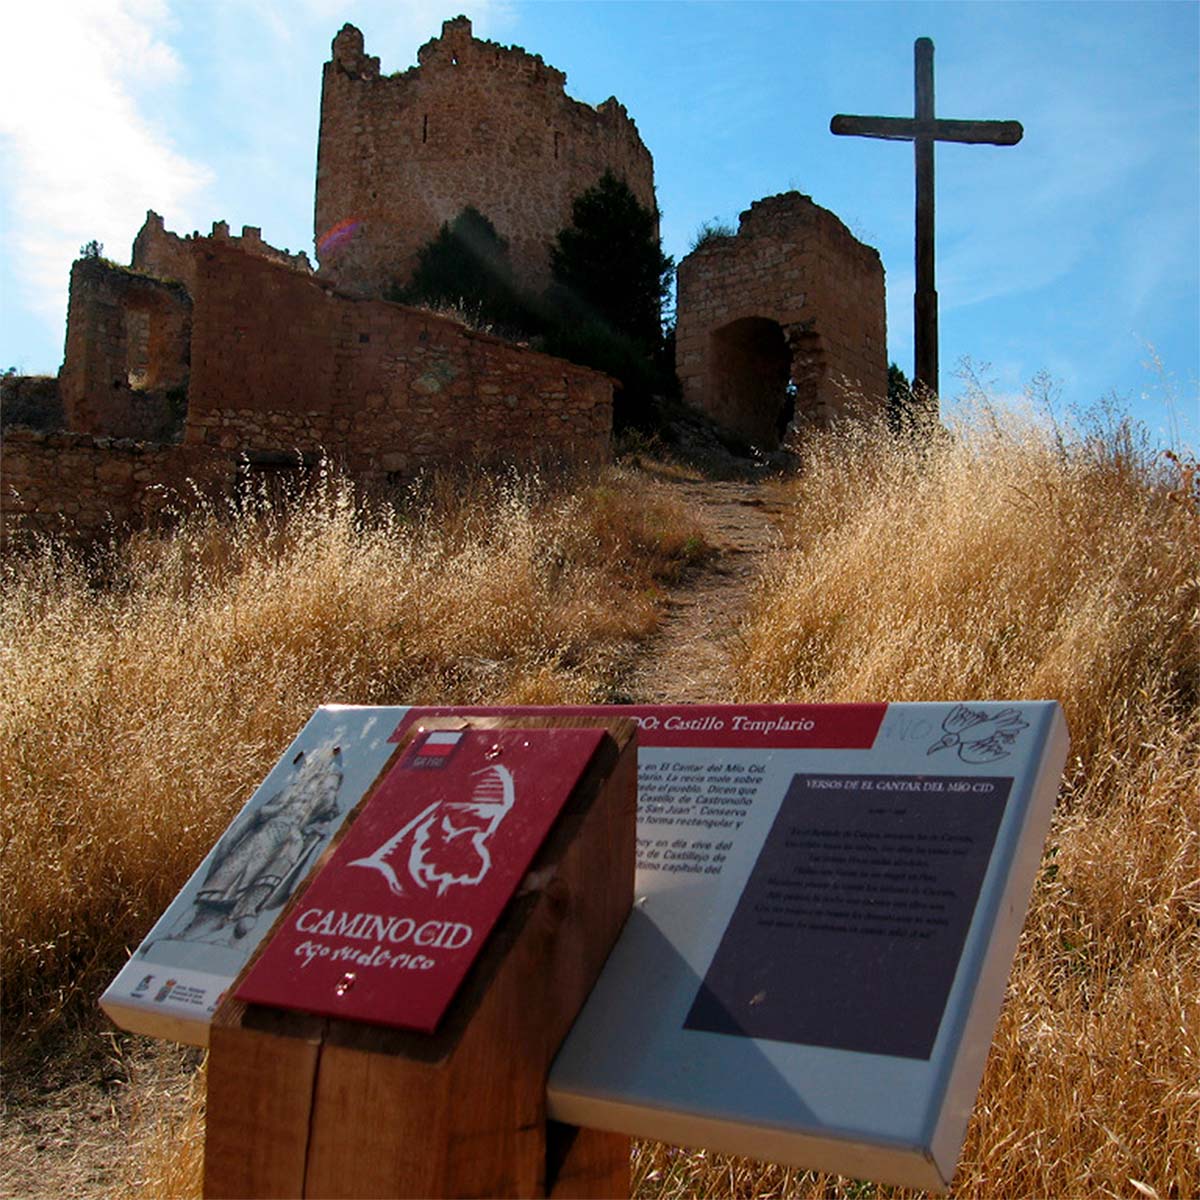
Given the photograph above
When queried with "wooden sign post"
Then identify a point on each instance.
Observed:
(394, 1034)
(923, 129)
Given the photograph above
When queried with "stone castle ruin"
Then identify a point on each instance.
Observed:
(213, 357)
(126, 372)
(474, 123)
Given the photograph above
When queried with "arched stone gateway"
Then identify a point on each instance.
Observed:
(784, 321)
(752, 392)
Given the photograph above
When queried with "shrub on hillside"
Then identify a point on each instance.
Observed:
(467, 267)
(711, 232)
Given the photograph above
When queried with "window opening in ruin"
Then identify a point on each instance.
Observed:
(754, 393)
(557, 143)
(425, 128)
(273, 479)
(787, 414)
(137, 348)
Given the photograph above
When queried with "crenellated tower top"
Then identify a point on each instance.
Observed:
(474, 123)
(348, 54)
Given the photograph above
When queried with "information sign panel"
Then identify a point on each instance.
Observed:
(833, 1042)
(817, 957)
(390, 925)
(174, 981)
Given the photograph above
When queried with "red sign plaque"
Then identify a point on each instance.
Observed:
(388, 929)
(729, 726)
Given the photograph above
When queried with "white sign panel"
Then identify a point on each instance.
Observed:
(829, 898)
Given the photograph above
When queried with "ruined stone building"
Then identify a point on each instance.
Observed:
(784, 321)
(127, 369)
(214, 356)
(255, 365)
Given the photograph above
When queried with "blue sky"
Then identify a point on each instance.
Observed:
(1076, 253)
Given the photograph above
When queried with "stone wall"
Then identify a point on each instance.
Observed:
(30, 401)
(126, 367)
(157, 251)
(788, 314)
(475, 123)
(85, 486)
(275, 368)
(281, 362)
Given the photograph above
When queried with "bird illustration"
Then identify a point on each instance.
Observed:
(978, 736)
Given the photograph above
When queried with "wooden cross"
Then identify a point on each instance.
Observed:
(923, 129)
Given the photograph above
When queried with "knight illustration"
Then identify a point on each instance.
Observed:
(267, 851)
(446, 843)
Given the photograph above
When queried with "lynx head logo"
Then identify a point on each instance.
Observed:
(446, 843)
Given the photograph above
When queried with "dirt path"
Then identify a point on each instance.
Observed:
(687, 661)
(77, 1129)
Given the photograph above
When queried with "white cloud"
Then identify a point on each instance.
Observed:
(84, 158)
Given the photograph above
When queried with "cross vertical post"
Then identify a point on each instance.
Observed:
(925, 300)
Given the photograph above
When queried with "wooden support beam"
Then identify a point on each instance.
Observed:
(325, 1107)
(905, 129)
(925, 302)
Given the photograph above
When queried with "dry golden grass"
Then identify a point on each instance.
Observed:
(136, 714)
(1014, 562)
(1011, 563)
(169, 1163)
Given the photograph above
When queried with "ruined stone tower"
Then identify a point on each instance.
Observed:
(786, 319)
(474, 123)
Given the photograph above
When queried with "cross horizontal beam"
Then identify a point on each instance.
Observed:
(906, 129)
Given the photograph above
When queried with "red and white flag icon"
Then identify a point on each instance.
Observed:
(434, 749)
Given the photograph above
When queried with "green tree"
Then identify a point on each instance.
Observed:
(467, 267)
(609, 262)
(611, 280)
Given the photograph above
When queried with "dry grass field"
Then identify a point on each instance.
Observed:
(1010, 561)
(1020, 561)
(143, 696)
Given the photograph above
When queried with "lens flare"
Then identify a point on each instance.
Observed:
(338, 236)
